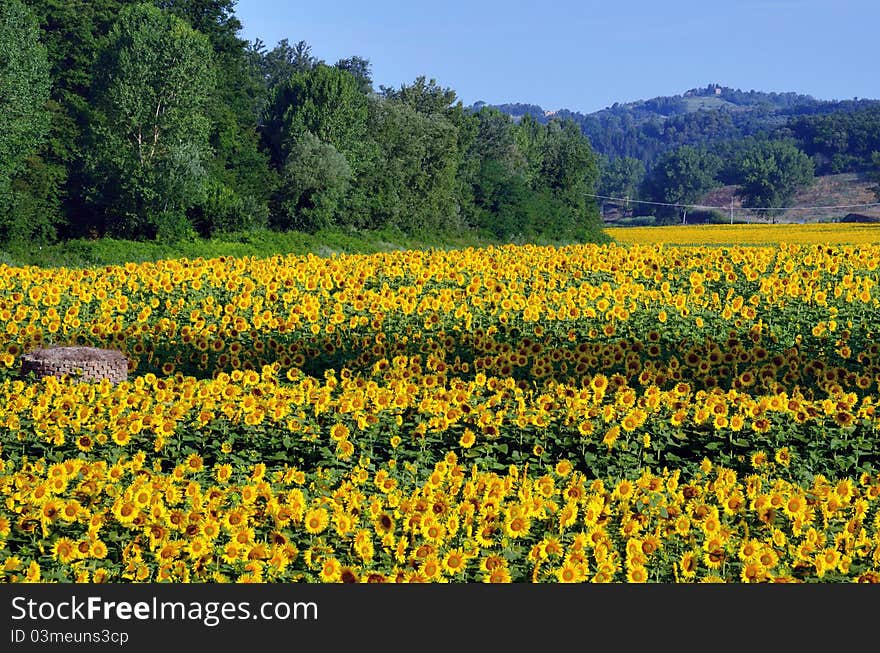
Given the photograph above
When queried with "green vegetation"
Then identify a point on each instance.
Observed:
(772, 172)
(681, 177)
(258, 243)
(667, 149)
(24, 91)
(148, 134)
(163, 126)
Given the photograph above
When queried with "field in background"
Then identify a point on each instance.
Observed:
(749, 234)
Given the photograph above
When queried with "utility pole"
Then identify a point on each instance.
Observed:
(731, 210)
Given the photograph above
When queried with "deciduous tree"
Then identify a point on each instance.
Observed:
(24, 91)
(771, 172)
(150, 130)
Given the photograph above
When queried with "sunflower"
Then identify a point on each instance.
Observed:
(194, 463)
(454, 562)
(795, 507)
(121, 437)
(623, 491)
(34, 573)
(64, 550)
(432, 530)
(553, 547)
(563, 468)
(498, 575)
(843, 418)
(223, 473)
(431, 567)
(768, 558)
(715, 553)
(316, 520)
(384, 524)
(516, 526)
(330, 570)
(339, 432)
(98, 550)
(828, 557)
(611, 436)
(687, 564)
(348, 575)
(71, 510)
(493, 561)
(783, 457)
(637, 574)
(749, 550)
(570, 572)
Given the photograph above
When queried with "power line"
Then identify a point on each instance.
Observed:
(734, 208)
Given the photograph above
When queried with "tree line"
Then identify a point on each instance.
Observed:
(768, 167)
(154, 120)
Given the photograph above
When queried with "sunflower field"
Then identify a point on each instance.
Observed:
(590, 413)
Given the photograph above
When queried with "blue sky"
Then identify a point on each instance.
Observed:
(585, 55)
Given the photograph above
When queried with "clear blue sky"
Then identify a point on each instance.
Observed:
(585, 55)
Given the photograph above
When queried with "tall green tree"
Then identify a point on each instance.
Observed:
(314, 182)
(569, 167)
(494, 140)
(284, 61)
(410, 181)
(150, 128)
(360, 69)
(561, 166)
(72, 32)
(771, 172)
(682, 176)
(529, 137)
(424, 95)
(24, 92)
(440, 110)
(325, 101)
(240, 181)
(621, 177)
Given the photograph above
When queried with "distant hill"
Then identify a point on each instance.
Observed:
(709, 116)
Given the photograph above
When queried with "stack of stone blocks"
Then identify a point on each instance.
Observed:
(79, 363)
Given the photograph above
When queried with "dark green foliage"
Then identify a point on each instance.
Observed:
(533, 179)
(325, 101)
(360, 70)
(502, 199)
(222, 210)
(284, 61)
(163, 123)
(568, 166)
(771, 172)
(24, 92)
(411, 182)
(314, 181)
(681, 177)
(149, 134)
(621, 177)
(31, 215)
(841, 141)
(836, 133)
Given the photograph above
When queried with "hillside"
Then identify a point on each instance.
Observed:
(829, 190)
(709, 117)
